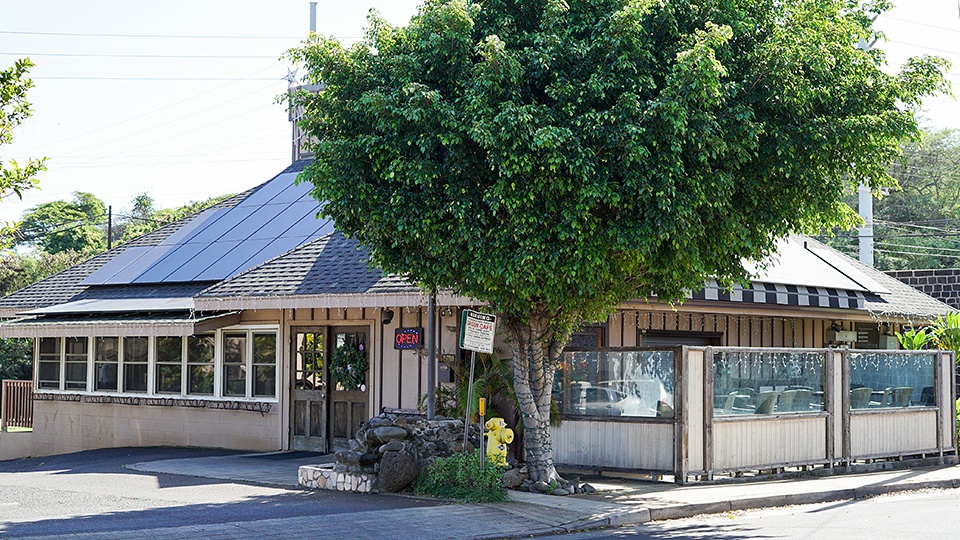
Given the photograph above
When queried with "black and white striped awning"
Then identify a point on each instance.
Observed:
(783, 295)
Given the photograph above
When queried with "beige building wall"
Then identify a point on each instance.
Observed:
(70, 426)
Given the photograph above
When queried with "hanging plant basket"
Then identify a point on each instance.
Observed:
(348, 366)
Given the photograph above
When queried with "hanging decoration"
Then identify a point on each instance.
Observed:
(348, 366)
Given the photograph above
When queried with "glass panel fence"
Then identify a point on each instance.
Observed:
(767, 382)
(615, 383)
(889, 380)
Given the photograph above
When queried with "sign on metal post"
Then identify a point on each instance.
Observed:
(476, 331)
(476, 335)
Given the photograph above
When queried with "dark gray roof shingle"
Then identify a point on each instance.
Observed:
(329, 265)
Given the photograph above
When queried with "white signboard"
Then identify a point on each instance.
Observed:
(476, 331)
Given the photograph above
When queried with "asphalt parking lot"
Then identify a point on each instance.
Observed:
(91, 494)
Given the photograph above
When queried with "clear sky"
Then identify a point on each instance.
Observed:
(177, 99)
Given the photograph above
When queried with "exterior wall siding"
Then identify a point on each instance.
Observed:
(623, 445)
(892, 433)
(775, 442)
(69, 426)
(626, 328)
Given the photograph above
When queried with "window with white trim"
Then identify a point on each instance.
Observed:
(233, 363)
(135, 362)
(75, 363)
(106, 355)
(264, 364)
(169, 365)
(48, 363)
(200, 364)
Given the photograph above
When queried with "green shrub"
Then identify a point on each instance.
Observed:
(958, 416)
(459, 477)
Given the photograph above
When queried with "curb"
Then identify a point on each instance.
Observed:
(641, 515)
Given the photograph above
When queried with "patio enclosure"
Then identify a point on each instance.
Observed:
(694, 412)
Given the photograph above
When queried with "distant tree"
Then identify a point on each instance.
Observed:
(556, 157)
(75, 225)
(143, 218)
(19, 269)
(917, 223)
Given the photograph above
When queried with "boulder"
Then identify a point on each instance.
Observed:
(397, 471)
(395, 445)
(513, 478)
(385, 434)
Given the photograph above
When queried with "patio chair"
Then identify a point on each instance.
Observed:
(765, 402)
(901, 396)
(795, 400)
(728, 402)
(927, 397)
(860, 397)
(884, 399)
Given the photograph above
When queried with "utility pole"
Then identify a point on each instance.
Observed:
(109, 227)
(865, 197)
(432, 355)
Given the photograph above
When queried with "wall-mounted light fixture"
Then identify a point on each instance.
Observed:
(386, 316)
(446, 311)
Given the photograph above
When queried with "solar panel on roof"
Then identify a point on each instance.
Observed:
(269, 190)
(124, 263)
(135, 260)
(219, 243)
(298, 212)
(293, 193)
(175, 259)
(239, 259)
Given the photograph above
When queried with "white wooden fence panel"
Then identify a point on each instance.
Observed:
(892, 432)
(758, 443)
(622, 445)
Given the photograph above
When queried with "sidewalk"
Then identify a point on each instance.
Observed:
(618, 502)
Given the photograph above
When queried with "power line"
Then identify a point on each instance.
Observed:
(161, 36)
(192, 79)
(137, 117)
(896, 252)
(90, 55)
(918, 23)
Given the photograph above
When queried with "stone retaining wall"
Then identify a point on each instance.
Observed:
(389, 452)
(325, 477)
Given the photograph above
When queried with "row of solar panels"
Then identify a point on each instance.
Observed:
(222, 242)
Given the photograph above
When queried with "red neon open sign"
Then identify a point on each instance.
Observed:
(408, 338)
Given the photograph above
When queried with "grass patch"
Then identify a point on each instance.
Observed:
(459, 477)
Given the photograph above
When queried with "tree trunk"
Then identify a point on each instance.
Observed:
(536, 353)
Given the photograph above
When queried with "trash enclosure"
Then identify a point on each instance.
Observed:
(697, 412)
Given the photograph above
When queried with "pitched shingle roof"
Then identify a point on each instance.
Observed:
(64, 286)
(329, 265)
(902, 300)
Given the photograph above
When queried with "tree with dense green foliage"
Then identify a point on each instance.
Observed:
(75, 225)
(556, 157)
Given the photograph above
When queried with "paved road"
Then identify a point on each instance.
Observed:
(927, 514)
(92, 494)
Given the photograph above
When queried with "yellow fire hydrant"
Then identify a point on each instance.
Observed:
(498, 437)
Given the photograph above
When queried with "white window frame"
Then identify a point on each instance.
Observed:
(218, 366)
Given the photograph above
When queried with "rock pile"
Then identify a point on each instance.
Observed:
(395, 447)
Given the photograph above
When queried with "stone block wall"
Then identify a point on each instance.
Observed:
(944, 285)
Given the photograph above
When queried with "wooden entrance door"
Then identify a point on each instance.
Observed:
(349, 404)
(309, 396)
